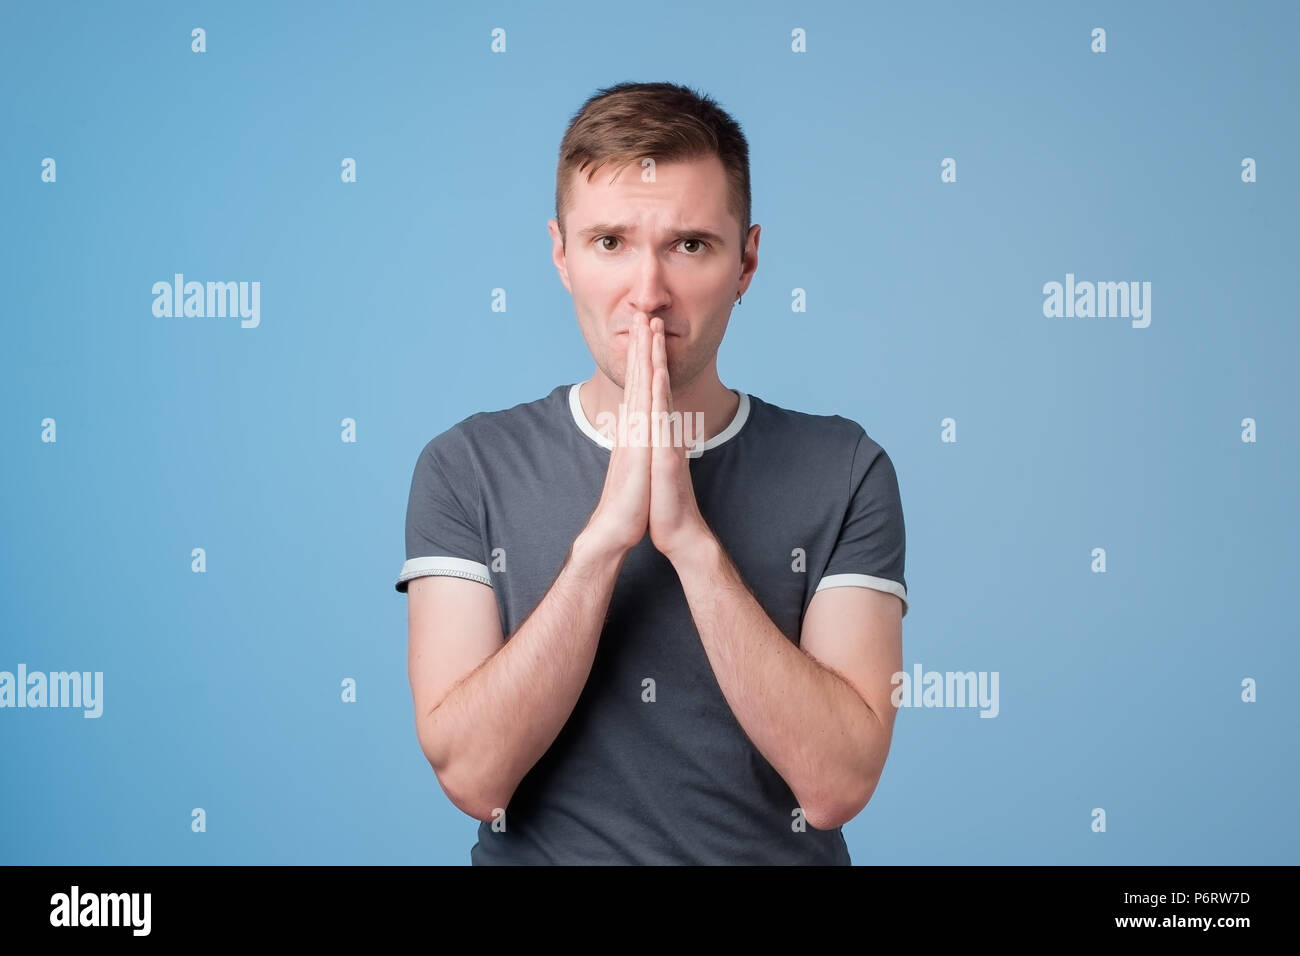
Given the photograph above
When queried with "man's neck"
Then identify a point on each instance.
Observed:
(600, 400)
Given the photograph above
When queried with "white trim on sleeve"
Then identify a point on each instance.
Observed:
(455, 567)
(864, 581)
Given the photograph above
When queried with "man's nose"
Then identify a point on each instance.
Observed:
(649, 290)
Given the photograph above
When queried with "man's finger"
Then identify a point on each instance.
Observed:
(645, 367)
(656, 363)
(656, 405)
(633, 376)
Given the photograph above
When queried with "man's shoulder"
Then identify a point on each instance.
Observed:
(525, 421)
(807, 432)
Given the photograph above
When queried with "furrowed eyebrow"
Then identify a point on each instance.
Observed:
(618, 229)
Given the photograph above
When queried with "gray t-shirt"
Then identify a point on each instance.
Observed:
(652, 766)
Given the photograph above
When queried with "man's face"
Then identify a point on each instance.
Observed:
(668, 248)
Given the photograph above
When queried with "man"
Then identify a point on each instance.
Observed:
(701, 630)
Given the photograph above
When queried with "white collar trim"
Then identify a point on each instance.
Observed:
(737, 423)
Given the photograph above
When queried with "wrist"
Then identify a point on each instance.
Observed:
(696, 545)
(593, 551)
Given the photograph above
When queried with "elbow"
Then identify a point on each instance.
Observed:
(465, 786)
(834, 800)
(473, 801)
(831, 810)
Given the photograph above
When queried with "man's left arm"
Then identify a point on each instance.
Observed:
(819, 713)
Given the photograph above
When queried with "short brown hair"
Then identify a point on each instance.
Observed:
(623, 124)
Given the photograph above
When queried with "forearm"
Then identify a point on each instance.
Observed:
(500, 719)
(809, 723)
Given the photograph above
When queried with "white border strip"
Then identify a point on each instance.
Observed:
(737, 423)
(455, 567)
(864, 581)
(579, 416)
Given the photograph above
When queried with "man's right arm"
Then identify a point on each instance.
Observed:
(488, 709)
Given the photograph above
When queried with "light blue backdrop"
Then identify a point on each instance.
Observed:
(1119, 690)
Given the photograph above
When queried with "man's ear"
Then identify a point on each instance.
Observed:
(748, 260)
(557, 253)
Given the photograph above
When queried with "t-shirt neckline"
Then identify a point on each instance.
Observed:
(737, 423)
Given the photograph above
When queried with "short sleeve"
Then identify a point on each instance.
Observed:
(442, 529)
(871, 549)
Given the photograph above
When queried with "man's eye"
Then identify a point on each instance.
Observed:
(600, 241)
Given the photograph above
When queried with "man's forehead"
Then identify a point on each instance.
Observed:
(683, 195)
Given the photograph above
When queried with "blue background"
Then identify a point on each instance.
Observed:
(222, 690)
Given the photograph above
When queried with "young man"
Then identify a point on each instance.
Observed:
(630, 645)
